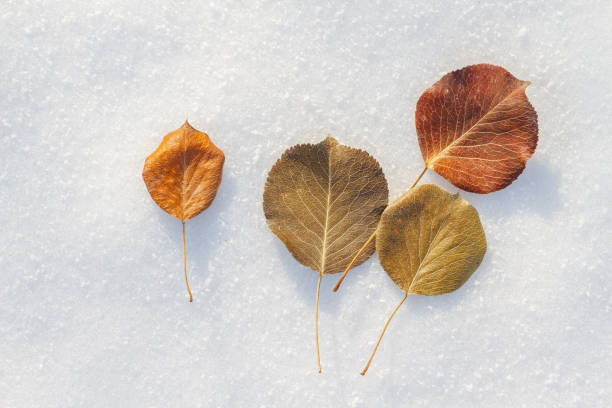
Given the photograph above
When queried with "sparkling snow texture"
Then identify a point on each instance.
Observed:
(93, 307)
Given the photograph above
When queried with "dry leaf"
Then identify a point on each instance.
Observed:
(184, 172)
(429, 242)
(183, 175)
(476, 127)
(323, 201)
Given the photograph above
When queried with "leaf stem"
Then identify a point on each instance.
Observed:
(317, 322)
(381, 335)
(185, 264)
(353, 260)
(418, 178)
(370, 239)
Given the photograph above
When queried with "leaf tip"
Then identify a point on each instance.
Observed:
(329, 142)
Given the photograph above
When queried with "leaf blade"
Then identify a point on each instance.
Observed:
(325, 199)
(430, 241)
(476, 127)
(184, 172)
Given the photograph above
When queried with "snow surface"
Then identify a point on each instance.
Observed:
(93, 309)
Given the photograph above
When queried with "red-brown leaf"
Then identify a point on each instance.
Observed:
(476, 127)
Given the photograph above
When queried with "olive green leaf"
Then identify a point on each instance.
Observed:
(323, 201)
(429, 242)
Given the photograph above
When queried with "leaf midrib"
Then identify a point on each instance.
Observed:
(324, 250)
(454, 142)
(183, 175)
(429, 247)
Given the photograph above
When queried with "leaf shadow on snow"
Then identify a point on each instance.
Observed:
(205, 234)
(209, 230)
(347, 314)
(306, 280)
(418, 304)
(536, 191)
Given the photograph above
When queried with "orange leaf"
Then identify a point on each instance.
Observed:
(476, 127)
(184, 172)
(183, 175)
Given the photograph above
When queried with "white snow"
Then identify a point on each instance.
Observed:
(93, 308)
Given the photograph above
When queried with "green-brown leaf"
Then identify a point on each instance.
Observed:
(430, 241)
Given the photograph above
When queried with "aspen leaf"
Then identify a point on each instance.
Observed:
(429, 242)
(476, 127)
(183, 175)
(322, 201)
